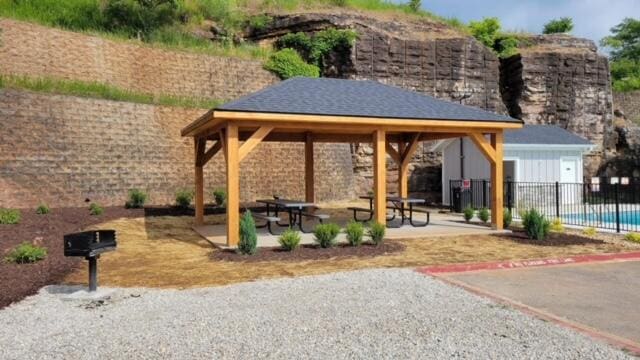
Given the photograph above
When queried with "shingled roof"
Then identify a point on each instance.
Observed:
(356, 98)
(543, 134)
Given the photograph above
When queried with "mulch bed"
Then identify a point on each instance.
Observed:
(554, 239)
(311, 252)
(20, 280)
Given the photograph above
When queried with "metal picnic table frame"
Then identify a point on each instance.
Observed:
(399, 205)
(293, 207)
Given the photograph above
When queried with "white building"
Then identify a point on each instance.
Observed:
(535, 153)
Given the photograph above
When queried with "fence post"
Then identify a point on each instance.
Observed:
(557, 199)
(617, 195)
(484, 193)
(509, 195)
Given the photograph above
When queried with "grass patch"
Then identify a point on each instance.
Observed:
(101, 91)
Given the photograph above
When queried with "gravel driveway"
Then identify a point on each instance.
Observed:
(391, 313)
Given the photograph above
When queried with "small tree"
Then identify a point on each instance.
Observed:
(556, 26)
(137, 198)
(355, 232)
(248, 244)
(535, 225)
(483, 215)
(325, 234)
(219, 196)
(290, 239)
(507, 218)
(468, 213)
(485, 31)
(376, 232)
(415, 5)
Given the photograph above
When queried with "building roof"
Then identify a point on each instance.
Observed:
(544, 135)
(355, 98)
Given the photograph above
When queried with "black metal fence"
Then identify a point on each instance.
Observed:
(603, 204)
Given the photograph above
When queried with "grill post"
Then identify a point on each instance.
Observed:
(93, 273)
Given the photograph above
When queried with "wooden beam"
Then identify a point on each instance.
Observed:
(309, 174)
(403, 181)
(405, 160)
(379, 177)
(395, 154)
(253, 141)
(233, 185)
(484, 146)
(223, 141)
(199, 182)
(438, 136)
(210, 153)
(497, 181)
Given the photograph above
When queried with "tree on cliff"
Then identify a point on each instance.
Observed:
(557, 26)
(625, 54)
(415, 5)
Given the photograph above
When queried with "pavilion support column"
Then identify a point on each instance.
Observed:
(403, 174)
(379, 177)
(199, 181)
(497, 141)
(309, 174)
(233, 184)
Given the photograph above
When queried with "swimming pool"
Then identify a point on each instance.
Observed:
(608, 217)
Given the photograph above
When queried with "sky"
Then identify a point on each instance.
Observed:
(592, 18)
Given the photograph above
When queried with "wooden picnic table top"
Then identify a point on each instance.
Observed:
(397, 199)
(287, 203)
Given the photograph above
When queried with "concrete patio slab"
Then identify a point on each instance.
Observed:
(440, 225)
(603, 296)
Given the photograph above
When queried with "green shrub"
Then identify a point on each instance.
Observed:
(260, 22)
(325, 234)
(137, 198)
(634, 237)
(289, 239)
(468, 213)
(95, 209)
(415, 5)
(43, 209)
(26, 253)
(507, 218)
(557, 226)
(184, 198)
(376, 232)
(556, 26)
(483, 215)
(9, 216)
(220, 196)
(287, 63)
(248, 244)
(590, 231)
(314, 49)
(355, 232)
(139, 17)
(486, 30)
(535, 225)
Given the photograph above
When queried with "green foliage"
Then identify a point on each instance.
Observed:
(506, 46)
(260, 22)
(625, 74)
(325, 234)
(26, 253)
(184, 198)
(139, 17)
(625, 40)
(314, 49)
(590, 231)
(355, 233)
(290, 239)
(486, 31)
(287, 63)
(555, 26)
(137, 198)
(415, 5)
(248, 244)
(633, 237)
(68, 14)
(220, 196)
(535, 225)
(483, 215)
(95, 209)
(468, 213)
(43, 209)
(9, 216)
(507, 218)
(376, 232)
(557, 226)
(100, 91)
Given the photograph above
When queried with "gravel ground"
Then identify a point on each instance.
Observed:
(391, 313)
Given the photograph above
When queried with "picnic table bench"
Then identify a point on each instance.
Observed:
(296, 209)
(398, 205)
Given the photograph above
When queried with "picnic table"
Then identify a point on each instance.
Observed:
(398, 204)
(296, 209)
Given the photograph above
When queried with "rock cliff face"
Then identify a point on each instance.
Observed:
(562, 80)
(423, 56)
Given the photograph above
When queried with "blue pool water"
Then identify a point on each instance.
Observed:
(626, 217)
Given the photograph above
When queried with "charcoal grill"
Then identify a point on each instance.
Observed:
(90, 245)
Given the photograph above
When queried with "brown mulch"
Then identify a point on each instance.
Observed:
(554, 239)
(311, 252)
(20, 280)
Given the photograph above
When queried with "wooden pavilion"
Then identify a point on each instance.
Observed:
(341, 111)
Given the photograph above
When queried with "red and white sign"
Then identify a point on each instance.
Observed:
(466, 184)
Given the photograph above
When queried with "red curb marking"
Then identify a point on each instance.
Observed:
(528, 263)
(614, 340)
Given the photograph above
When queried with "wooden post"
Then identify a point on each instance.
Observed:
(199, 181)
(403, 174)
(497, 178)
(309, 190)
(233, 185)
(379, 177)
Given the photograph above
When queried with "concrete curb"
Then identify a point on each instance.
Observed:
(613, 340)
(503, 265)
